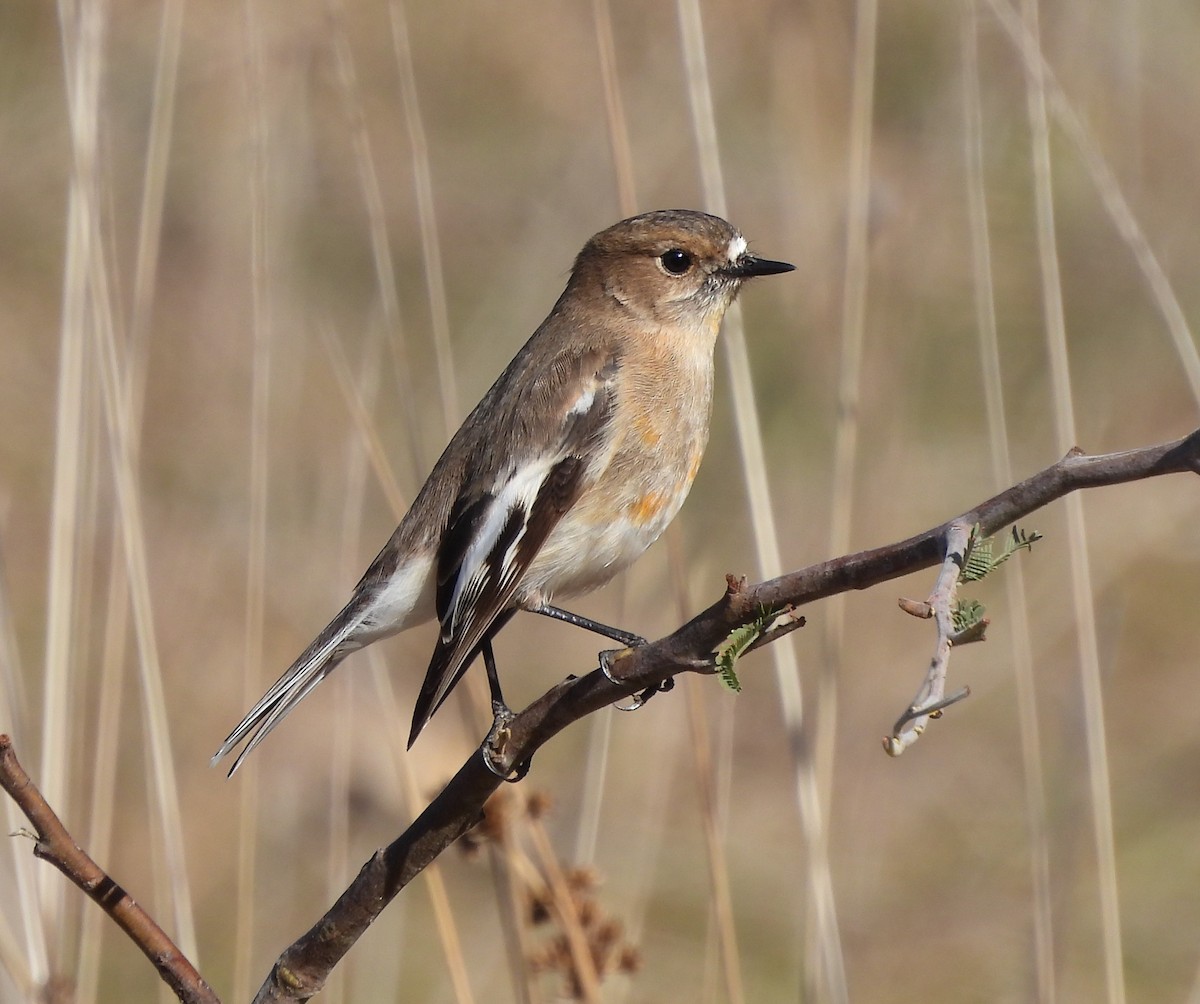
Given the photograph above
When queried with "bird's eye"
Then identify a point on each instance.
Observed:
(676, 261)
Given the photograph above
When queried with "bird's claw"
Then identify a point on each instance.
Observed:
(494, 747)
(642, 696)
(611, 656)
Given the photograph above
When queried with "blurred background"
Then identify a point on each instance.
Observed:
(258, 259)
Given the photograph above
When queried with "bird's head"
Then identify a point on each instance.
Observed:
(672, 266)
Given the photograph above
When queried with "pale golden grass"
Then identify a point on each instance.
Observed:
(1109, 189)
(249, 819)
(846, 460)
(1002, 474)
(370, 188)
(68, 446)
(711, 765)
(365, 392)
(338, 866)
(443, 911)
(594, 776)
(1083, 598)
(88, 311)
(431, 249)
(283, 251)
(360, 397)
(22, 958)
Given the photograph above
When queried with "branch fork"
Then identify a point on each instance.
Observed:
(931, 697)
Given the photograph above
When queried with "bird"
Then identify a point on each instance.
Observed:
(572, 464)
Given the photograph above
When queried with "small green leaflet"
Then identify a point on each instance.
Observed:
(738, 641)
(966, 614)
(735, 646)
(980, 558)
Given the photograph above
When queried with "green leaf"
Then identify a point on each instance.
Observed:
(966, 614)
(981, 558)
(735, 645)
(725, 671)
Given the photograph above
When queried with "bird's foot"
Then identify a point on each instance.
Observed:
(642, 696)
(608, 663)
(611, 656)
(494, 748)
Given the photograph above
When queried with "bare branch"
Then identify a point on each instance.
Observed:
(302, 969)
(931, 697)
(54, 844)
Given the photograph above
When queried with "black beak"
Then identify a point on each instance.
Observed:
(748, 265)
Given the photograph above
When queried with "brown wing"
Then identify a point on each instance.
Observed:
(493, 535)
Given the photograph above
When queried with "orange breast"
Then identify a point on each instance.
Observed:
(644, 509)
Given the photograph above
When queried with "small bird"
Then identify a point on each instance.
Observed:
(572, 465)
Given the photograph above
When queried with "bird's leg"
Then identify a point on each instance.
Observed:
(616, 634)
(497, 737)
(500, 708)
(607, 658)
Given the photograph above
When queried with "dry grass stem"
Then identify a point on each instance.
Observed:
(381, 249)
(754, 475)
(431, 250)
(1082, 600)
(1002, 474)
(1109, 189)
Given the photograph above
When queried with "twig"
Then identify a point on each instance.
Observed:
(302, 969)
(969, 557)
(931, 696)
(54, 844)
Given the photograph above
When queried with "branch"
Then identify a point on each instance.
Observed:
(301, 970)
(54, 844)
(931, 697)
(969, 557)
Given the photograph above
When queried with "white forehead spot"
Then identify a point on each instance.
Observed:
(737, 247)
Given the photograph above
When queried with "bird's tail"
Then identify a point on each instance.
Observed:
(316, 662)
(445, 670)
